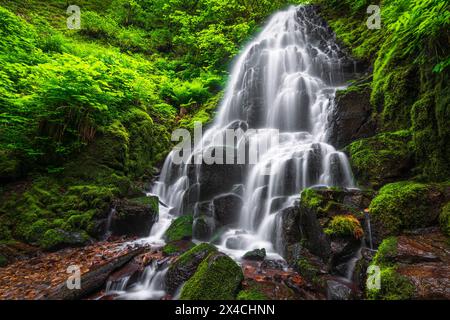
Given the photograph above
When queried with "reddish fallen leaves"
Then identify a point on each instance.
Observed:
(33, 278)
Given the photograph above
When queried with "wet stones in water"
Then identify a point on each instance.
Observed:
(257, 255)
(338, 291)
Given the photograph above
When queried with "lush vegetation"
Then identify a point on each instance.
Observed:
(410, 59)
(93, 109)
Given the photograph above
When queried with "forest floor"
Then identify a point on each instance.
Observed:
(45, 276)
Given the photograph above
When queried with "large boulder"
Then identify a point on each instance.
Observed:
(218, 277)
(134, 217)
(227, 208)
(186, 265)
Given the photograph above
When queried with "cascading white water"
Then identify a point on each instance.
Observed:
(283, 85)
(283, 82)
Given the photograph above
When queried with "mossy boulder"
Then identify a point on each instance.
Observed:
(218, 277)
(381, 159)
(186, 265)
(406, 205)
(180, 229)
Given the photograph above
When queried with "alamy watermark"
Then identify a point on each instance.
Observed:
(374, 20)
(74, 20)
(74, 280)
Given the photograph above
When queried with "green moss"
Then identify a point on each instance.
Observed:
(56, 239)
(151, 201)
(3, 261)
(380, 159)
(386, 250)
(444, 219)
(345, 226)
(307, 270)
(217, 278)
(188, 256)
(251, 294)
(180, 229)
(393, 286)
(403, 206)
(311, 199)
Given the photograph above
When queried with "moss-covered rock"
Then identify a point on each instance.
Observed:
(406, 205)
(444, 219)
(135, 217)
(54, 239)
(3, 261)
(346, 226)
(186, 265)
(393, 286)
(381, 159)
(180, 229)
(218, 277)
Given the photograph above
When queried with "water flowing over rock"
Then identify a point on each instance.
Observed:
(278, 100)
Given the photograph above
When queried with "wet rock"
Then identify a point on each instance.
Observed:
(338, 291)
(134, 218)
(257, 254)
(203, 228)
(226, 209)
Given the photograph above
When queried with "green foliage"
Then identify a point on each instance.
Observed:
(217, 278)
(393, 286)
(311, 199)
(410, 58)
(345, 226)
(180, 229)
(386, 250)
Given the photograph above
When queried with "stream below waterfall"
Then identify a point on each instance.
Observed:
(279, 99)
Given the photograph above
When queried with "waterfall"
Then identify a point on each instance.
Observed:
(278, 101)
(280, 95)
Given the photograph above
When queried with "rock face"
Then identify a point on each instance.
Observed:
(351, 118)
(134, 218)
(186, 265)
